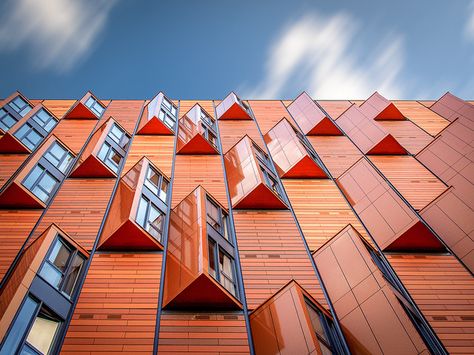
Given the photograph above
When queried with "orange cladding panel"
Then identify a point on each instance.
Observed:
(9, 164)
(58, 107)
(422, 116)
(232, 131)
(268, 113)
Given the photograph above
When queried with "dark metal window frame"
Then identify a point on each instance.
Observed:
(48, 168)
(13, 113)
(146, 219)
(92, 106)
(23, 342)
(162, 204)
(74, 251)
(168, 112)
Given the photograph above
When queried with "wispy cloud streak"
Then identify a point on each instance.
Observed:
(56, 33)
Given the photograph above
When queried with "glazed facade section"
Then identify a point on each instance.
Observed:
(236, 226)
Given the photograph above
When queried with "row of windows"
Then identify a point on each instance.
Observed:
(114, 148)
(168, 113)
(12, 112)
(45, 177)
(38, 126)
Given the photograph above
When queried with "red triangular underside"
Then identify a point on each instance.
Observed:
(197, 145)
(260, 198)
(9, 144)
(325, 127)
(81, 111)
(155, 126)
(387, 146)
(391, 112)
(417, 238)
(305, 168)
(235, 112)
(129, 236)
(203, 293)
(92, 167)
(16, 196)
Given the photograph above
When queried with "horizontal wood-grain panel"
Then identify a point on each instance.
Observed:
(9, 164)
(58, 107)
(74, 133)
(78, 209)
(334, 107)
(208, 333)
(272, 253)
(409, 135)
(268, 113)
(15, 226)
(158, 149)
(194, 170)
(422, 116)
(125, 112)
(232, 131)
(186, 105)
(116, 310)
(416, 183)
(321, 210)
(444, 292)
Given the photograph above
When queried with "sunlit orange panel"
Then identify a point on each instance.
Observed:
(121, 231)
(282, 325)
(422, 116)
(452, 107)
(310, 118)
(408, 134)
(247, 188)
(192, 137)
(390, 221)
(289, 154)
(363, 300)
(334, 107)
(188, 282)
(379, 108)
(232, 108)
(367, 134)
(150, 123)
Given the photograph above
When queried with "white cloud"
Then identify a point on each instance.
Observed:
(319, 54)
(57, 33)
(469, 29)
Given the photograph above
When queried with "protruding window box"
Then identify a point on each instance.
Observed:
(292, 322)
(393, 225)
(197, 132)
(310, 118)
(38, 180)
(367, 134)
(53, 262)
(252, 182)
(28, 133)
(232, 108)
(200, 263)
(16, 107)
(159, 117)
(89, 107)
(292, 155)
(137, 215)
(379, 108)
(105, 152)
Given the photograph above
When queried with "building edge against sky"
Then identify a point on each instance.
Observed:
(236, 226)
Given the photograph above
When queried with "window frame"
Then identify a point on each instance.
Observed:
(51, 169)
(146, 218)
(223, 220)
(92, 108)
(119, 148)
(168, 113)
(73, 253)
(13, 113)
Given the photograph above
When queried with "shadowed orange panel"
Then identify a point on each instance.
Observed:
(268, 113)
(58, 107)
(232, 131)
(363, 300)
(416, 183)
(116, 310)
(338, 153)
(422, 116)
(193, 170)
(391, 223)
(158, 149)
(321, 210)
(14, 234)
(334, 107)
(9, 164)
(443, 290)
(78, 209)
(203, 333)
(272, 253)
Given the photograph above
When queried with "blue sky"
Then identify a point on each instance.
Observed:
(260, 49)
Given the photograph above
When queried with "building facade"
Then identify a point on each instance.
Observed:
(233, 227)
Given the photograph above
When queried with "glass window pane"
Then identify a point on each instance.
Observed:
(90, 101)
(48, 182)
(213, 214)
(103, 151)
(51, 274)
(227, 272)
(19, 327)
(116, 134)
(212, 258)
(42, 332)
(60, 255)
(6, 122)
(74, 272)
(164, 190)
(33, 176)
(25, 111)
(65, 163)
(141, 213)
